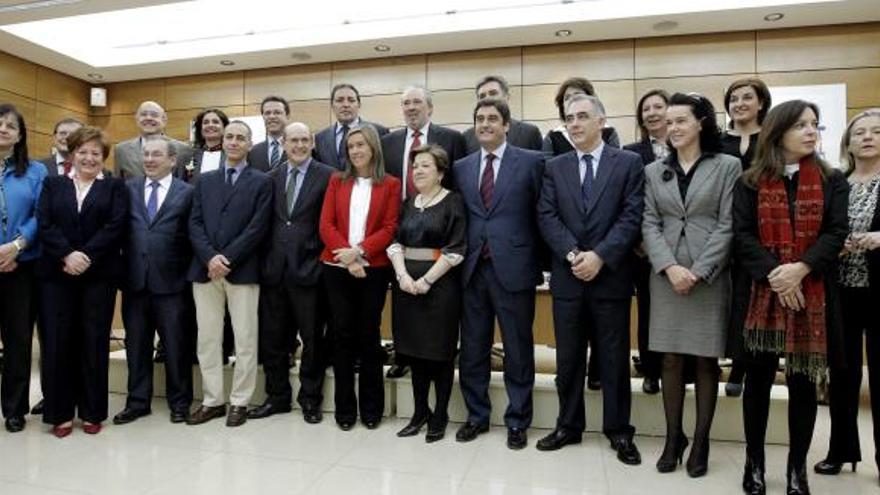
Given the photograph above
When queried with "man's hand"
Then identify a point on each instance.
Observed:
(586, 265)
(218, 267)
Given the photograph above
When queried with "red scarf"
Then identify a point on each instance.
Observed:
(769, 327)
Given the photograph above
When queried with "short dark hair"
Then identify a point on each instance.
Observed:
(339, 86)
(499, 105)
(761, 90)
(505, 88)
(662, 94)
(441, 159)
(67, 120)
(276, 99)
(572, 82)
(88, 133)
(199, 140)
(704, 111)
(20, 149)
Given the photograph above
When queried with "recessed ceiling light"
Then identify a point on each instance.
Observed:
(300, 56)
(665, 26)
(95, 76)
(382, 48)
(563, 33)
(227, 63)
(774, 17)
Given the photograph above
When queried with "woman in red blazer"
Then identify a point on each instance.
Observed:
(358, 221)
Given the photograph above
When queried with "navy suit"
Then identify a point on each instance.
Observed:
(258, 157)
(325, 144)
(501, 284)
(155, 296)
(610, 227)
(394, 143)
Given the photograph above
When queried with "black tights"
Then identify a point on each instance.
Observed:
(706, 381)
(760, 374)
(424, 372)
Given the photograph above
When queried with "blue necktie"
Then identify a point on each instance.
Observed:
(153, 201)
(587, 184)
(230, 173)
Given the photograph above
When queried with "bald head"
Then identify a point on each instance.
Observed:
(298, 142)
(151, 118)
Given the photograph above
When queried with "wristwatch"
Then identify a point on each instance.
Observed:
(18, 243)
(572, 255)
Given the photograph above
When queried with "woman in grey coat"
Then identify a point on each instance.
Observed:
(688, 232)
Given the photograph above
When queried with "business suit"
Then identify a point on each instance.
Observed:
(129, 160)
(51, 164)
(76, 326)
(232, 221)
(258, 157)
(499, 274)
(608, 226)
(290, 287)
(325, 144)
(520, 134)
(394, 144)
(156, 294)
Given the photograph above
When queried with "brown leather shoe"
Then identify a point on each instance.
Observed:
(237, 416)
(206, 413)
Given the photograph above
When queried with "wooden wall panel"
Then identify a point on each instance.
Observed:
(39, 145)
(616, 96)
(298, 82)
(460, 70)
(824, 47)
(209, 90)
(118, 127)
(862, 85)
(48, 115)
(62, 90)
(384, 109)
(126, 97)
(457, 107)
(27, 106)
(597, 61)
(694, 55)
(18, 76)
(712, 87)
(381, 76)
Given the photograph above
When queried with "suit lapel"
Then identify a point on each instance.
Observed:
(230, 191)
(138, 191)
(509, 168)
(670, 188)
(89, 200)
(571, 175)
(308, 183)
(701, 176)
(606, 170)
(170, 197)
(470, 180)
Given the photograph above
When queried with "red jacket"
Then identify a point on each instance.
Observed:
(381, 219)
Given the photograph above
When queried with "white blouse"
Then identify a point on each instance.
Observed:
(210, 161)
(358, 210)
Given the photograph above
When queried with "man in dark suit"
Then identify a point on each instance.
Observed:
(154, 298)
(590, 214)
(291, 274)
(151, 120)
(345, 100)
(500, 185)
(230, 217)
(268, 154)
(417, 109)
(519, 134)
(60, 161)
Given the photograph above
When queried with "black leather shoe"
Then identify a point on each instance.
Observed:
(268, 409)
(237, 416)
(38, 408)
(733, 389)
(178, 417)
(469, 431)
(796, 481)
(557, 439)
(312, 416)
(651, 386)
(594, 384)
(15, 424)
(627, 452)
(345, 425)
(206, 413)
(371, 424)
(830, 467)
(413, 428)
(753, 478)
(517, 439)
(396, 371)
(128, 414)
(435, 434)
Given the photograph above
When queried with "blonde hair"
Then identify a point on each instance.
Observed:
(847, 160)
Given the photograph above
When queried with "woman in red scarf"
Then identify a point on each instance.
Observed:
(790, 223)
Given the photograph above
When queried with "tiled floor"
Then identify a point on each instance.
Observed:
(284, 455)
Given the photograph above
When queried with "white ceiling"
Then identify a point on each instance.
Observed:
(137, 39)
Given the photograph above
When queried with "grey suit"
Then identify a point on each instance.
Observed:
(696, 233)
(325, 144)
(129, 158)
(520, 134)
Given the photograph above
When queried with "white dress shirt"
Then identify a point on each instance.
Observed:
(358, 210)
(161, 192)
(496, 163)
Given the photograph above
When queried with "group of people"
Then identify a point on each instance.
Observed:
(741, 242)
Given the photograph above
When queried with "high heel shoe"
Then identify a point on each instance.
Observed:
(796, 480)
(698, 460)
(414, 427)
(92, 428)
(672, 454)
(61, 431)
(829, 467)
(753, 478)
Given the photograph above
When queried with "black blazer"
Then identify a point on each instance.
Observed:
(158, 253)
(190, 175)
(97, 230)
(231, 221)
(294, 246)
(644, 149)
(450, 140)
(258, 156)
(520, 134)
(325, 144)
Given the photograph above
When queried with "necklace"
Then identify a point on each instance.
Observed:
(428, 202)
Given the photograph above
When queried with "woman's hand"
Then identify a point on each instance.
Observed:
(682, 279)
(868, 240)
(8, 253)
(793, 299)
(422, 286)
(346, 256)
(357, 270)
(76, 263)
(407, 284)
(788, 276)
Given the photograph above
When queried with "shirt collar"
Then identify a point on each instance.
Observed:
(596, 153)
(164, 182)
(240, 167)
(499, 153)
(423, 131)
(302, 167)
(353, 123)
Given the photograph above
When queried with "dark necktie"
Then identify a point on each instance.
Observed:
(67, 164)
(290, 193)
(487, 182)
(230, 174)
(410, 185)
(587, 184)
(275, 159)
(153, 201)
(342, 149)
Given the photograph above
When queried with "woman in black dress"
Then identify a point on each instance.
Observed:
(557, 141)
(430, 244)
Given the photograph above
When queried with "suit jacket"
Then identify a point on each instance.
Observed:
(231, 221)
(258, 157)
(520, 134)
(381, 219)
(325, 144)
(158, 252)
(450, 140)
(644, 149)
(51, 165)
(609, 225)
(97, 230)
(187, 174)
(129, 158)
(294, 245)
(509, 225)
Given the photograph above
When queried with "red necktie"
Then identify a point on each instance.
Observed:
(487, 189)
(410, 185)
(67, 164)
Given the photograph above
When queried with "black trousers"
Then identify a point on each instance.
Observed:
(286, 310)
(846, 383)
(356, 310)
(77, 348)
(144, 314)
(652, 362)
(760, 373)
(17, 333)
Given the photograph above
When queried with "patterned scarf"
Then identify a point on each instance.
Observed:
(769, 327)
